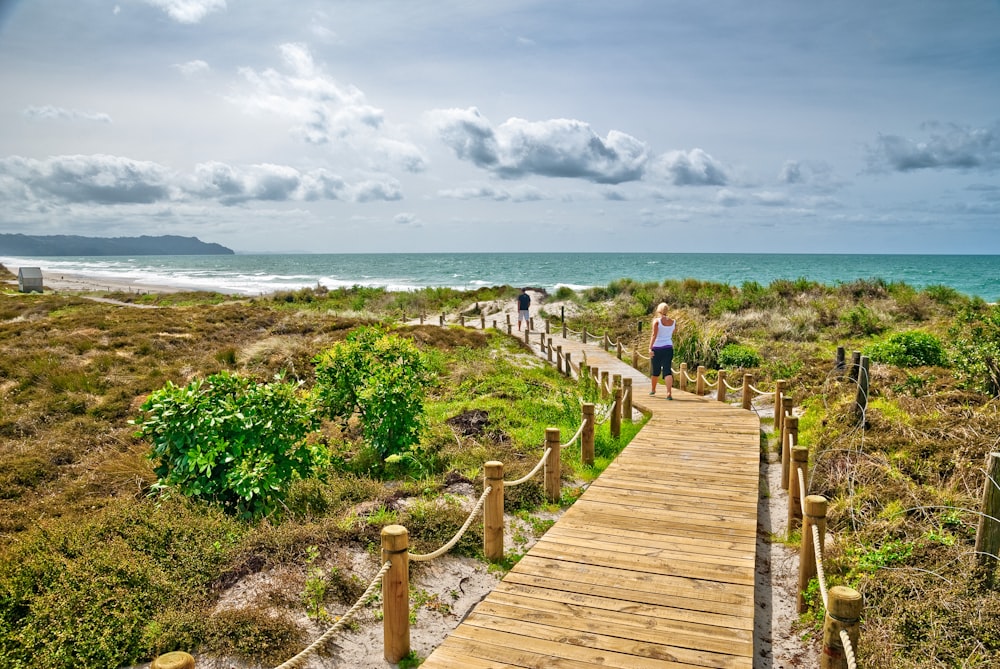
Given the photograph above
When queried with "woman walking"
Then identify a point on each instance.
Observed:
(661, 350)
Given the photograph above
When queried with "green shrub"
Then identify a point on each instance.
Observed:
(908, 349)
(738, 356)
(861, 320)
(976, 339)
(381, 376)
(231, 440)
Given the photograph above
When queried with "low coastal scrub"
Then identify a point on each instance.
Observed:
(96, 571)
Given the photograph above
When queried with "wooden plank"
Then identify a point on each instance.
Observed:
(538, 637)
(708, 592)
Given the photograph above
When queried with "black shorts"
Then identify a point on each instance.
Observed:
(663, 359)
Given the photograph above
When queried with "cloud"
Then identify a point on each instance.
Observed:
(691, 168)
(372, 190)
(406, 218)
(517, 194)
(554, 148)
(323, 112)
(97, 179)
(50, 113)
(112, 180)
(949, 146)
(276, 183)
(188, 11)
(193, 68)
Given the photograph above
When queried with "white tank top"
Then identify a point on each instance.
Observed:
(664, 334)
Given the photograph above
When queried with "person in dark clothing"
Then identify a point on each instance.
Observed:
(523, 303)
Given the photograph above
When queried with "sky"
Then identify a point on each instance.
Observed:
(857, 126)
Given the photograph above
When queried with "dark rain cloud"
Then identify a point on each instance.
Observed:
(97, 179)
(948, 146)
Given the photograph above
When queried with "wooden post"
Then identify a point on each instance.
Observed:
(683, 377)
(421, 319)
(841, 359)
(173, 660)
(569, 365)
(720, 385)
(527, 331)
(779, 392)
(441, 319)
(862, 398)
(587, 436)
(461, 319)
(565, 329)
(635, 358)
(531, 322)
(786, 450)
(493, 511)
(627, 399)
(800, 462)
(619, 345)
(813, 514)
(747, 401)
(482, 321)
(548, 349)
(396, 593)
(552, 473)
(988, 533)
(583, 335)
(559, 359)
(616, 413)
(605, 390)
(562, 317)
(843, 612)
(699, 384)
(852, 371)
(605, 341)
(494, 324)
(508, 322)
(548, 327)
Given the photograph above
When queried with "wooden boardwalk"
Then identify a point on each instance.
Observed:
(652, 568)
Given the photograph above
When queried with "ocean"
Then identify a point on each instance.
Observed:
(976, 275)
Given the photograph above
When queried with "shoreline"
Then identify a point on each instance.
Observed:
(58, 282)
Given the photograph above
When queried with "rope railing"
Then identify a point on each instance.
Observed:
(842, 604)
(530, 475)
(414, 557)
(296, 662)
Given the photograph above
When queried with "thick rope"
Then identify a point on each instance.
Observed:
(454, 540)
(692, 379)
(760, 392)
(732, 387)
(802, 488)
(820, 575)
(845, 639)
(297, 661)
(529, 475)
(575, 436)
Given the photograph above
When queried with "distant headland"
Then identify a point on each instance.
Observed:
(73, 245)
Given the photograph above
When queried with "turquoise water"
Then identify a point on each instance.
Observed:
(253, 274)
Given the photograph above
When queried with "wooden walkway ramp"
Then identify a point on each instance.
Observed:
(652, 568)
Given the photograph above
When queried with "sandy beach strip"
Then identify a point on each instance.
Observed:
(61, 282)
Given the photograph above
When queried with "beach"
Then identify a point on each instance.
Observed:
(81, 283)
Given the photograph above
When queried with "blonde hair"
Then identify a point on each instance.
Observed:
(661, 309)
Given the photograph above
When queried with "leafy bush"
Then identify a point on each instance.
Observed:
(908, 349)
(231, 440)
(738, 356)
(976, 338)
(861, 320)
(381, 376)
